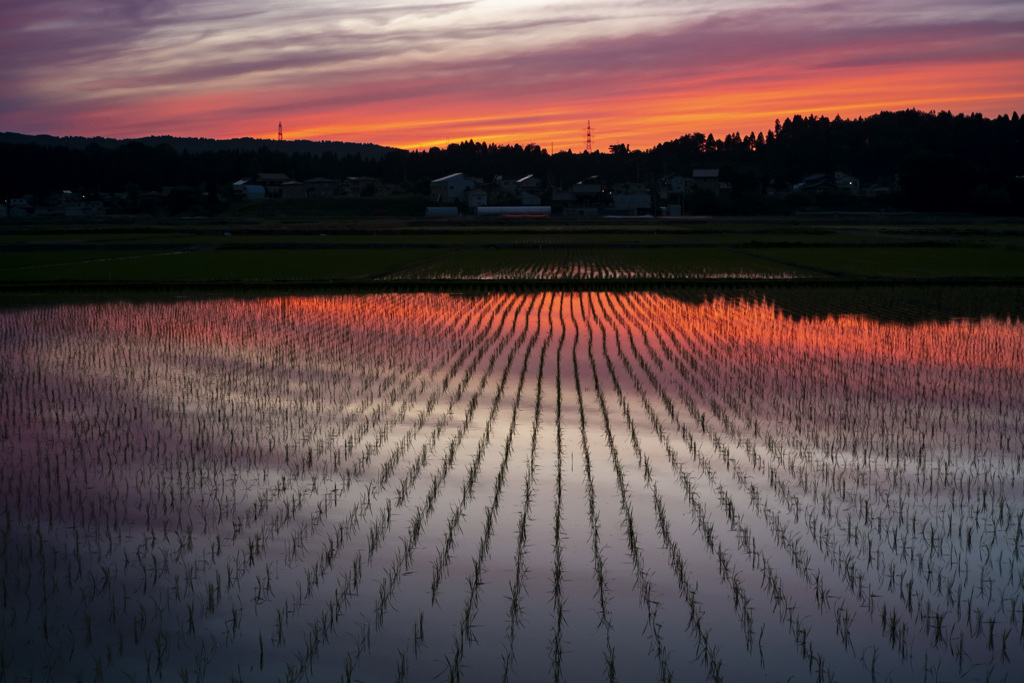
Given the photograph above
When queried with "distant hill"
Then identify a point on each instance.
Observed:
(198, 145)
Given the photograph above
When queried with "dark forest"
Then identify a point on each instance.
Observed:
(933, 162)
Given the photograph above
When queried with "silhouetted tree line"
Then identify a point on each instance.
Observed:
(938, 161)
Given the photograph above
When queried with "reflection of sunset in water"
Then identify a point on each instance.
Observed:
(509, 486)
(979, 343)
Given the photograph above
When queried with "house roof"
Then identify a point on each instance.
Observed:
(450, 176)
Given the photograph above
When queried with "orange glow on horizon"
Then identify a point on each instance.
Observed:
(642, 114)
(649, 115)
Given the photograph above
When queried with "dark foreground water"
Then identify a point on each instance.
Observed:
(550, 486)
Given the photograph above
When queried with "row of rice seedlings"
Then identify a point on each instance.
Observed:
(707, 654)
(726, 505)
(327, 620)
(801, 559)
(107, 569)
(444, 553)
(293, 502)
(631, 430)
(770, 578)
(728, 573)
(642, 581)
(558, 597)
(475, 582)
(596, 547)
(909, 606)
(392, 574)
(826, 500)
(293, 602)
(487, 428)
(517, 586)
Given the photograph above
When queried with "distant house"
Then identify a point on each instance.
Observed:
(245, 189)
(322, 187)
(530, 183)
(504, 184)
(631, 199)
(676, 184)
(673, 193)
(823, 182)
(846, 182)
(505, 191)
(452, 188)
(590, 188)
(75, 205)
(293, 189)
(59, 204)
(476, 197)
(707, 179)
(362, 186)
(272, 184)
(21, 207)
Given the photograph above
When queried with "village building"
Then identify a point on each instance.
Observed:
(707, 180)
(631, 199)
(451, 189)
(322, 187)
(293, 189)
(362, 186)
(271, 184)
(825, 182)
(65, 204)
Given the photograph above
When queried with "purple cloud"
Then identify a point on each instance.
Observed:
(66, 62)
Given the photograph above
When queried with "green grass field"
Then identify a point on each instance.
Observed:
(365, 251)
(904, 260)
(205, 266)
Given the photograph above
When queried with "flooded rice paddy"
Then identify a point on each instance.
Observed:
(555, 486)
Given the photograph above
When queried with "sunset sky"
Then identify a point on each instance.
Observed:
(417, 73)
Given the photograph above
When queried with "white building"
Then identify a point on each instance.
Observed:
(451, 188)
(476, 197)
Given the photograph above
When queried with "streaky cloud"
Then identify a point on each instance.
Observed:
(194, 67)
